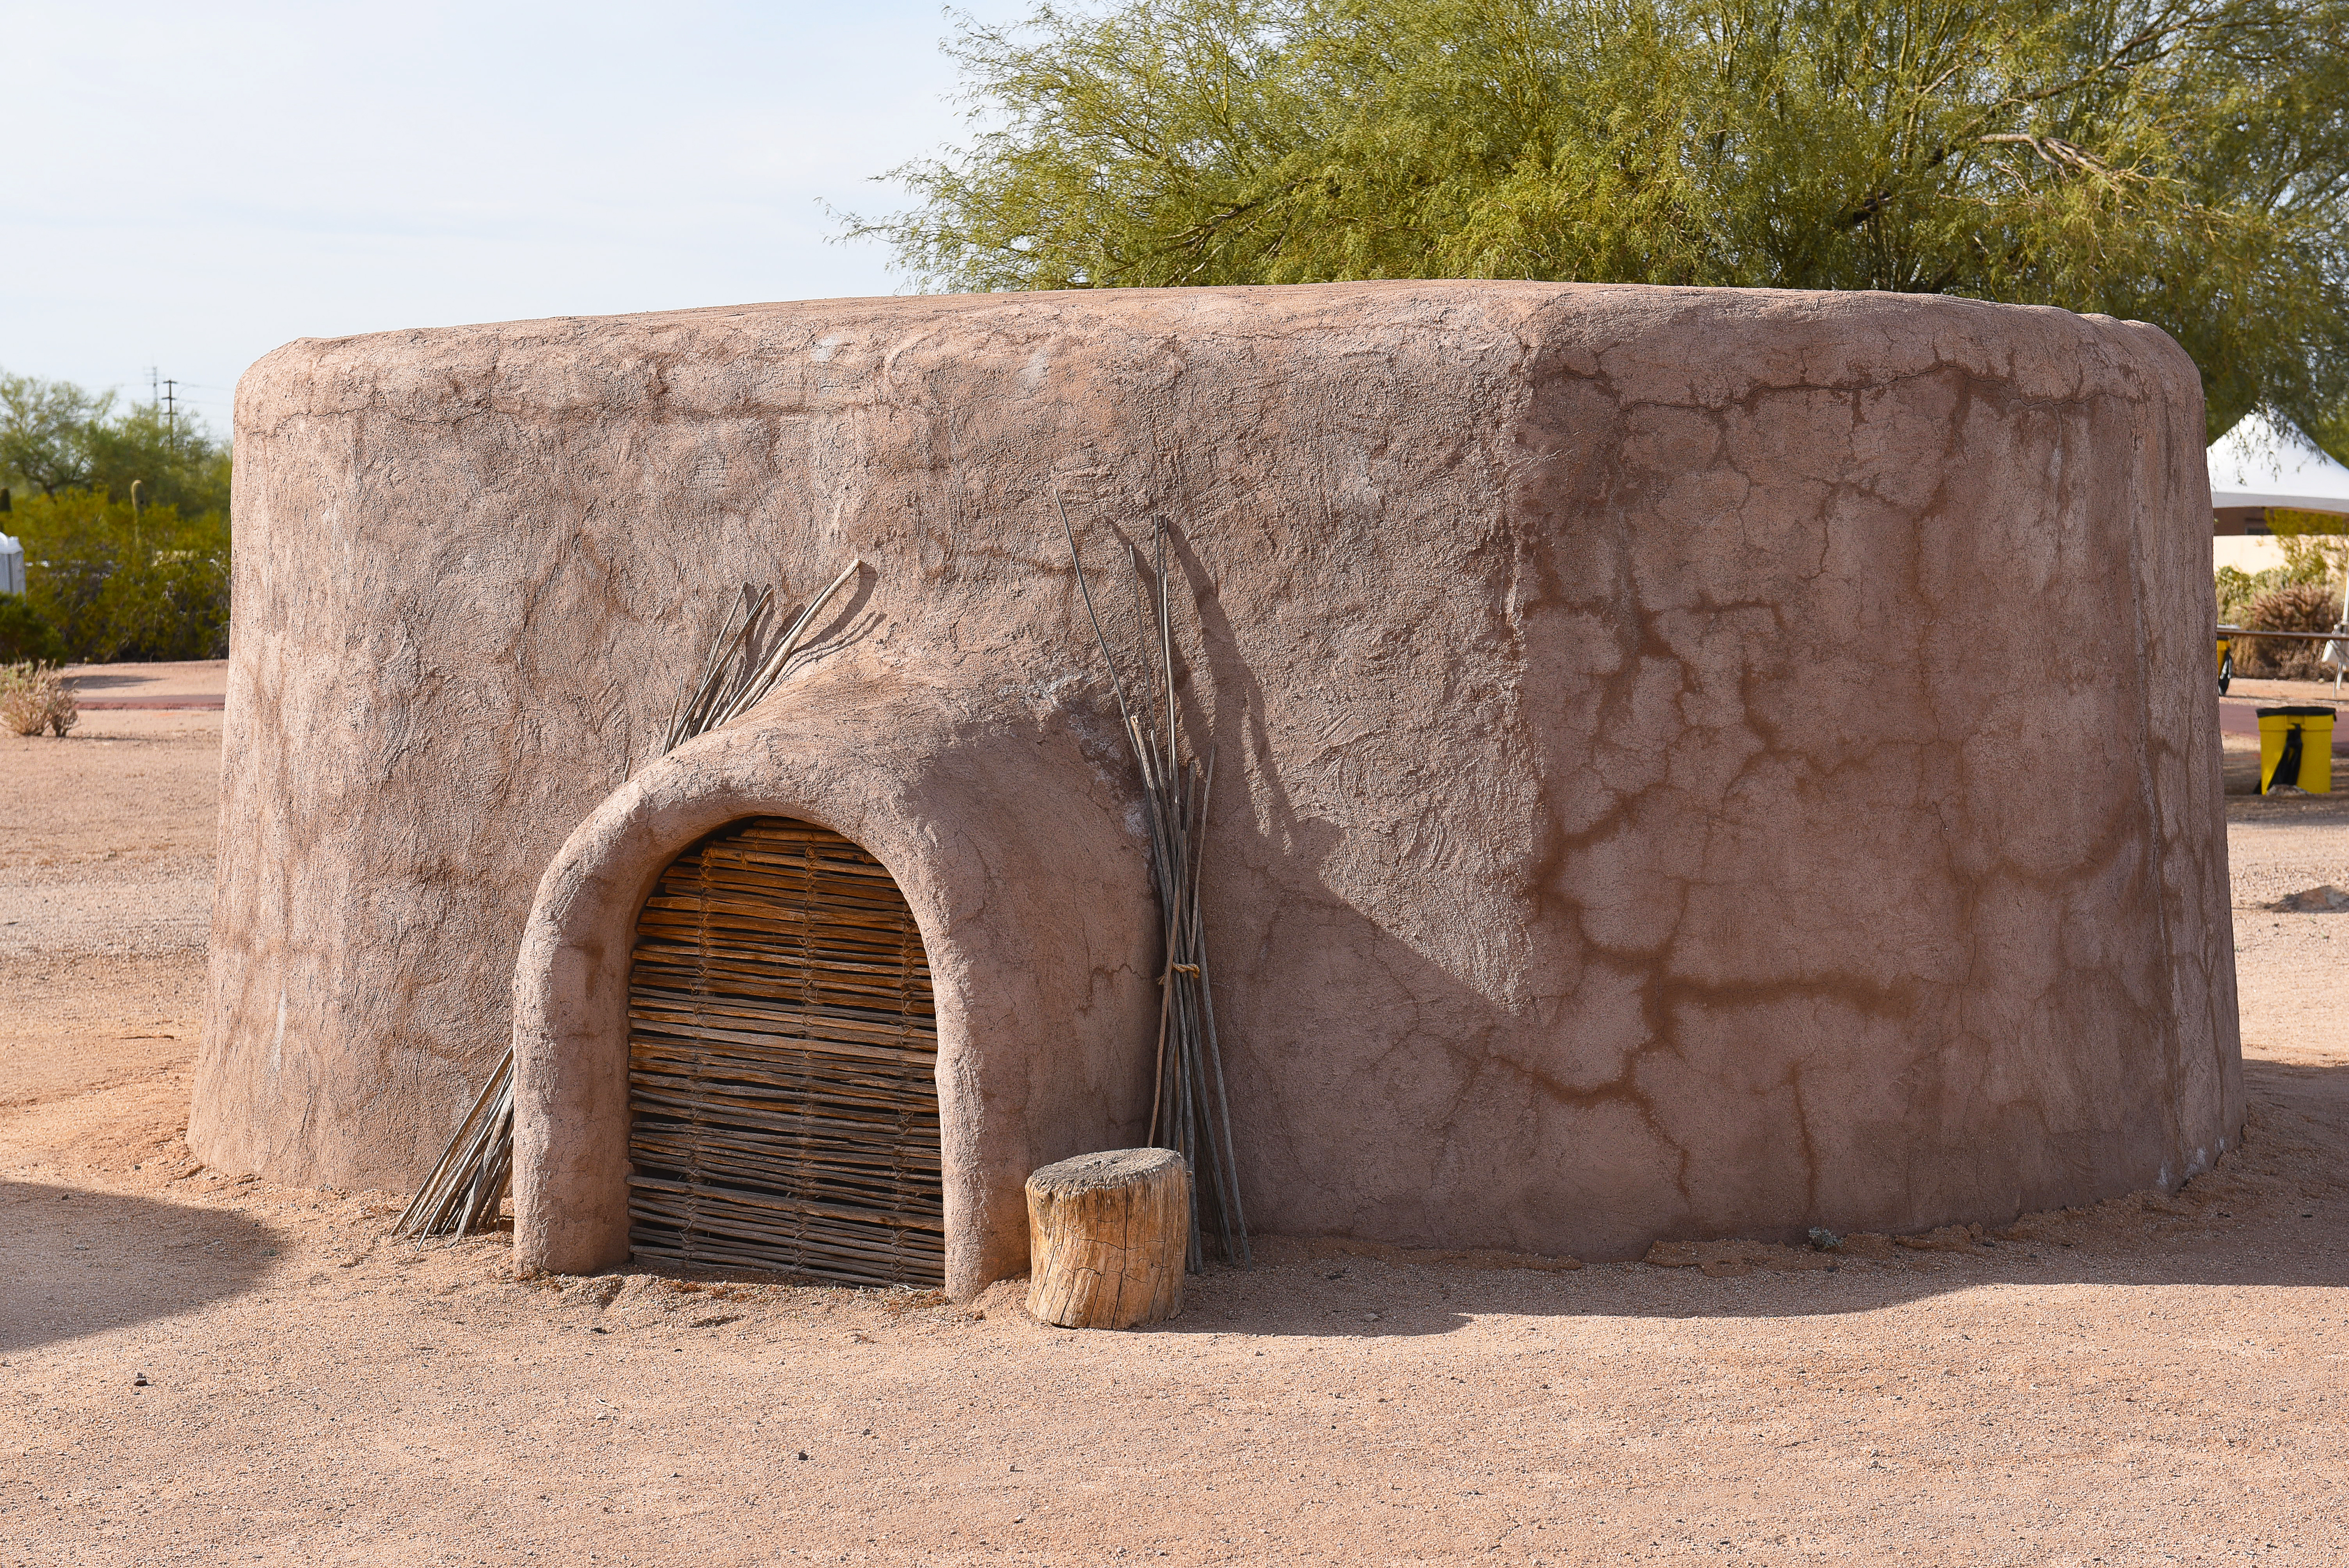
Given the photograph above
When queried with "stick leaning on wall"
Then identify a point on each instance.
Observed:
(1189, 1112)
(467, 1185)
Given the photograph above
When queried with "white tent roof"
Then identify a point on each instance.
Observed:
(2262, 463)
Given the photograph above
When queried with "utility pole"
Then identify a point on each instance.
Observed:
(162, 392)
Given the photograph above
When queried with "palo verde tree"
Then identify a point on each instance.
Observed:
(2179, 161)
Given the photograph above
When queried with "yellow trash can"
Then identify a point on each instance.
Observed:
(2296, 748)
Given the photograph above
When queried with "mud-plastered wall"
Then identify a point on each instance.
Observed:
(1690, 763)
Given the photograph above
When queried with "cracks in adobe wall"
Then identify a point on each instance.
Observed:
(1599, 490)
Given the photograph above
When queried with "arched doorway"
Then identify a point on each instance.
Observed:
(782, 1050)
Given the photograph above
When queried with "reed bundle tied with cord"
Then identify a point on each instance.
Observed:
(1190, 1111)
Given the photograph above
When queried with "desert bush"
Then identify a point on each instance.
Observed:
(2237, 588)
(124, 583)
(2308, 557)
(25, 636)
(34, 697)
(2294, 607)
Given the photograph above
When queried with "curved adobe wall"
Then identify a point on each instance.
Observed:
(1692, 761)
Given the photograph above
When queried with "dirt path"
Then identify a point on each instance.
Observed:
(2161, 1379)
(105, 836)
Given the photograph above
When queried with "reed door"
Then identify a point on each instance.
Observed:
(783, 1053)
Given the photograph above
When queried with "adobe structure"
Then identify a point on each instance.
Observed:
(1690, 763)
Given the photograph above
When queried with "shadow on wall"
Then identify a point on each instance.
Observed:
(2276, 1214)
(1685, 1090)
(78, 1262)
(1489, 1120)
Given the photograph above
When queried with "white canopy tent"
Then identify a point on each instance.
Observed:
(2262, 463)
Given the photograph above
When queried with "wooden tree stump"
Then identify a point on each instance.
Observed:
(1107, 1235)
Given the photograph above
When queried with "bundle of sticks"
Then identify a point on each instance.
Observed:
(466, 1187)
(464, 1190)
(1190, 1112)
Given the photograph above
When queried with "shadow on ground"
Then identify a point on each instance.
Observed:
(2239, 767)
(78, 1262)
(2275, 1213)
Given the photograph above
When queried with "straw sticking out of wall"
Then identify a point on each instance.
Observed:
(737, 676)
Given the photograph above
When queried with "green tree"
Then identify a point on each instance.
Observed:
(45, 432)
(119, 586)
(2331, 433)
(177, 461)
(25, 636)
(56, 438)
(2179, 161)
(107, 577)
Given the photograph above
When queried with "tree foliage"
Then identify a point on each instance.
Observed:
(25, 636)
(2179, 161)
(55, 438)
(118, 585)
(106, 576)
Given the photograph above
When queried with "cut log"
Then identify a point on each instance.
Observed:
(1107, 1234)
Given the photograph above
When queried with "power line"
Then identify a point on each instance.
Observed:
(163, 392)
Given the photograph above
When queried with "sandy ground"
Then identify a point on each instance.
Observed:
(2162, 1379)
(105, 836)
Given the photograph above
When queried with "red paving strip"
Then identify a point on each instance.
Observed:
(152, 704)
(197, 685)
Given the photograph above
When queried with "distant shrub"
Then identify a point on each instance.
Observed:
(2237, 588)
(24, 636)
(2296, 607)
(33, 697)
(2313, 568)
(119, 584)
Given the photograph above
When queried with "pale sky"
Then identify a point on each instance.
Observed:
(187, 186)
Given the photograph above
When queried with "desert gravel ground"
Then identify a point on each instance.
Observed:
(2160, 1380)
